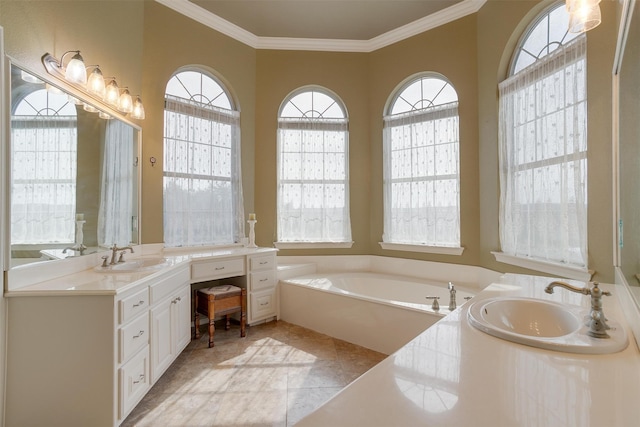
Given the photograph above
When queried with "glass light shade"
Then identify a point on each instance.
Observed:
(585, 19)
(573, 5)
(104, 115)
(90, 108)
(30, 78)
(95, 83)
(138, 109)
(112, 93)
(125, 103)
(76, 71)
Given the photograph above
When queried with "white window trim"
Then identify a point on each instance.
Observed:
(561, 270)
(313, 245)
(427, 249)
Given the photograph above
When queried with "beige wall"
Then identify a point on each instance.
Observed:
(431, 51)
(150, 42)
(346, 74)
(172, 41)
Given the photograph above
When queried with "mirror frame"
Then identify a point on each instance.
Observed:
(5, 156)
(630, 299)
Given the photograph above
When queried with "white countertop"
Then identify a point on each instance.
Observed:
(78, 277)
(455, 375)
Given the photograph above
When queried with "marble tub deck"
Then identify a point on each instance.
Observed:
(275, 376)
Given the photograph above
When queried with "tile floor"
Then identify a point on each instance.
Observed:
(275, 376)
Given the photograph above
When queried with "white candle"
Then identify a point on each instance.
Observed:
(252, 217)
(79, 217)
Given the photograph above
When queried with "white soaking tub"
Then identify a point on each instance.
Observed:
(378, 311)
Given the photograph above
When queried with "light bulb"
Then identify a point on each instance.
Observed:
(112, 93)
(95, 83)
(138, 109)
(125, 103)
(76, 72)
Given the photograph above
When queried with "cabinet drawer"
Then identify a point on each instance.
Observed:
(133, 337)
(263, 304)
(136, 304)
(262, 280)
(169, 285)
(266, 262)
(133, 382)
(210, 270)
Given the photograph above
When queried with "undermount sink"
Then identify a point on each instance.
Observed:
(543, 324)
(134, 266)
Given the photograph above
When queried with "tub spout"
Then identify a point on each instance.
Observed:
(452, 297)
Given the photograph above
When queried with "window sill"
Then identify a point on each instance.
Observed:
(442, 250)
(561, 270)
(313, 245)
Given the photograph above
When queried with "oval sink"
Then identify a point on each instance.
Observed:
(543, 324)
(134, 266)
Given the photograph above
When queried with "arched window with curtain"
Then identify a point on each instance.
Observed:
(421, 164)
(44, 140)
(313, 168)
(202, 176)
(543, 144)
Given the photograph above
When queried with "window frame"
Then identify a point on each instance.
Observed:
(195, 109)
(303, 121)
(432, 107)
(531, 262)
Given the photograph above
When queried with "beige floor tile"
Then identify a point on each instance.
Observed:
(273, 377)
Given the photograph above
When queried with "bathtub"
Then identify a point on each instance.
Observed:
(379, 311)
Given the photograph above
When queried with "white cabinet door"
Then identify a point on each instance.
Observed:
(181, 319)
(161, 346)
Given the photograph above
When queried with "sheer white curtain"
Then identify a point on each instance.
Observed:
(421, 177)
(202, 175)
(43, 179)
(313, 180)
(115, 221)
(543, 158)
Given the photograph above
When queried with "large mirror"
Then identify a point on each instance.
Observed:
(629, 148)
(74, 173)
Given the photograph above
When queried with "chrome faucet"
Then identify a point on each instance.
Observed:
(596, 320)
(452, 297)
(114, 252)
(77, 248)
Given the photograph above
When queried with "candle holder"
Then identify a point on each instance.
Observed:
(79, 245)
(252, 233)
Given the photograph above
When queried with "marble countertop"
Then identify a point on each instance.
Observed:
(77, 276)
(455, 375)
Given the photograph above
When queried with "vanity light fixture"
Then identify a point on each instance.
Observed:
(584, 15)
(104, 115)
(75, 72)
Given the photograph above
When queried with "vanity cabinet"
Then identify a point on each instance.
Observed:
(170, 320)
(95, 355)
(262, 287)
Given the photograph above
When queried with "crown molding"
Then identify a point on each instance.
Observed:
(203, 16)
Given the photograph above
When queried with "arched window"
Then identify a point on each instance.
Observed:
(43, 175)
(543, 144)
(202, 178)
(313, 174)
(421, 164)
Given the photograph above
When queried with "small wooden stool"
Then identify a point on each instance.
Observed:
(219, 301)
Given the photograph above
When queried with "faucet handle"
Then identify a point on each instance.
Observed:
(104, 261)
(435, 306)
